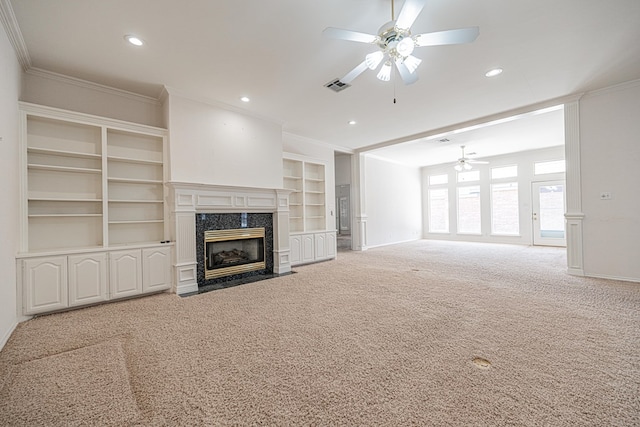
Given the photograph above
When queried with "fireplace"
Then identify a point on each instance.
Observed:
(197, 208)
(235, 251)
(232, 248)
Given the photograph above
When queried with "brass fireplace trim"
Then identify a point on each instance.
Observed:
(234, 234)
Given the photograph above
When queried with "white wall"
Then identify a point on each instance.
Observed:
(318, 151)
(393, 202)
(10, 75)
(525, 161)
(343, 169)
(610, 162)
(212, 145)
(55, 90)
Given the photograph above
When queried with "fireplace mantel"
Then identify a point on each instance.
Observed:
(188, 199)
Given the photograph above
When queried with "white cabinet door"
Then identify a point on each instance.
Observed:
(45, 284)
(156, 269)
(87, 279)
(295, 247)
(332, 245)
(320, 240)
(125, 271)
(307, 248)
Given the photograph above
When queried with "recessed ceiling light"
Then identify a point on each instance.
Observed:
(352, 122)
(245, 99)
(494, 72)
(136, 41)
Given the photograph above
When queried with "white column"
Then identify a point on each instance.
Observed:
(574, 215)
(359, 232)
(281, 249)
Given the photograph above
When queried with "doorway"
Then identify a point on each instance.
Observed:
(343, 218)
(548, 213)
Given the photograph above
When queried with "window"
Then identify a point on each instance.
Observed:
(504, 172)
(438, 179)
(469, 176)
(439, 210)
(504, 208)
(469, 210)
(554, 166)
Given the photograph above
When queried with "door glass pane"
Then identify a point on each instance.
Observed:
(469, 210)
(552, 211)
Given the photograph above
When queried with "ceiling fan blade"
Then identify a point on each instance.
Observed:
(438, 38)
(409, 12)
(348, 78)
(354, 36)
(407, 76)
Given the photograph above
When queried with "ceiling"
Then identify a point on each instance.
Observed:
(273, 52)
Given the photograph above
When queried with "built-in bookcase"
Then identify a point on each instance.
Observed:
(314, 197)
(135, 187)
(292, 175)
(64, 184)
(310, 239)
(307, 208)
(91, 182)
(92, 210)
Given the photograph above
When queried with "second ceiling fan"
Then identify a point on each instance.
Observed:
(465, 164)
(396, 43)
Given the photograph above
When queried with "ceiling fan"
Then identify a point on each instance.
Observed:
(465, 163)
(396, 43)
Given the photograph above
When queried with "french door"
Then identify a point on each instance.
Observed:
(548, 213)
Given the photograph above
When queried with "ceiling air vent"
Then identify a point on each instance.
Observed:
(336, 85)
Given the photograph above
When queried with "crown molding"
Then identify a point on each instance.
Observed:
(10, 24)
(86, 84)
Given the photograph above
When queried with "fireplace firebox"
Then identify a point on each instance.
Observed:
(234, 251)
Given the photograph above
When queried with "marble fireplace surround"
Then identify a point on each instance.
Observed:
(188, 199)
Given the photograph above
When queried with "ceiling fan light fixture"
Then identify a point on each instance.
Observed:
(412, 63)
(405, 46)
(467, 167)
(385, 72)
(373, 59)
(458, 167)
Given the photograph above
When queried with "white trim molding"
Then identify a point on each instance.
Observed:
(10, 24)
(574, 216)
(7, 335)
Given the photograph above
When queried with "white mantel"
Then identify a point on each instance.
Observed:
(188, 199)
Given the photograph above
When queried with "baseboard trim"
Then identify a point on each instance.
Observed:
(606, 277)
(7, 335)
(575, 271)
(392, 243)
(186, 289)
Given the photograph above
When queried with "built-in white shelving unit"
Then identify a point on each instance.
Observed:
(310, 240)
(90, 185)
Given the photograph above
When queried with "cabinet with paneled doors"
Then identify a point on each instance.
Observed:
(89, 186)
(310, 238)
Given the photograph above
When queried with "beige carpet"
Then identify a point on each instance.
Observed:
(424, 333)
